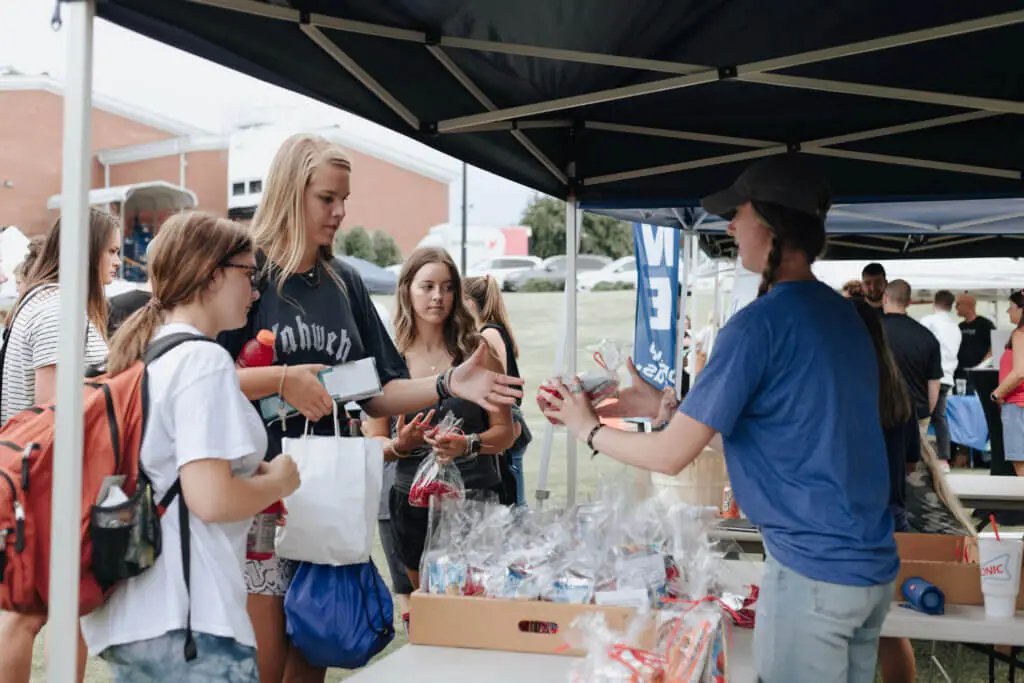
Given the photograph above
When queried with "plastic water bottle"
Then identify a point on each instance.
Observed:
(258, 352)
(259, 545)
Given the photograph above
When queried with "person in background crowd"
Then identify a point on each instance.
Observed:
(23, 270)
(942, 324)
(873, 281)
(975, 348)
(483, 294)
(323, 316)
(792, 387)
(976, 335)
(30, 378)
(125, 304)
(205, 434)
(915, 349)
(1010, 392)
(435, 330)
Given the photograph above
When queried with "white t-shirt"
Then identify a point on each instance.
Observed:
(947, 331)
(197, 411)
(33, 345)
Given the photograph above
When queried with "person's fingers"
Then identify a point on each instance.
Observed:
(555, 402)
(429, 417)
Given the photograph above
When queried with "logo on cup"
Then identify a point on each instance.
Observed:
(997, 569)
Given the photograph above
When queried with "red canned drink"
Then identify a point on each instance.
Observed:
(730, 510)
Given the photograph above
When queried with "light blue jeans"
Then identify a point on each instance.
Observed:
(219, 660)
(817, 632)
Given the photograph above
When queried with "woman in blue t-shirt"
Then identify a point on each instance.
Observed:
(792, 388)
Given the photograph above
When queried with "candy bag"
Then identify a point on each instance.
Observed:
(598, 384)
(434, 478)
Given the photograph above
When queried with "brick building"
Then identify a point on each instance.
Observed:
(393, 190)
(31, 132)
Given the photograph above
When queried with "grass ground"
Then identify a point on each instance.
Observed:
(536, 319)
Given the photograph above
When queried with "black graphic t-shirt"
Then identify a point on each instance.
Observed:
(975, 344)
(315, 322)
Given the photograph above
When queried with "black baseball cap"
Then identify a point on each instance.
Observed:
(790, 180)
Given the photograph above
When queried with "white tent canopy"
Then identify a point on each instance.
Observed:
(158, 195)
(985, 278)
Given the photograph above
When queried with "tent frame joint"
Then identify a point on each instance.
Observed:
(794, 147)
(726, 73)
(305, 18)
(432, 39)
(428, 128)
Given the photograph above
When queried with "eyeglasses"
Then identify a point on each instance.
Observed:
(254, 272)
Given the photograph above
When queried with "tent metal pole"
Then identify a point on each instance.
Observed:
(684, 276)
(65, 537)
(687, 165)
(878, 219)
(470, 86)
(573, 217)
(357, 72)
(887, 93)
(981, 221)
(916, 163)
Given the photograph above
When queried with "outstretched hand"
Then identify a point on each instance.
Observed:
(473, 381)
(570, 406)
(640, 399)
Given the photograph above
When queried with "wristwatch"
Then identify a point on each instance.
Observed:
(473, 444)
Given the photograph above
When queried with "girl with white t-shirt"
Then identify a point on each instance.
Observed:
(30, 377)
(200, 429)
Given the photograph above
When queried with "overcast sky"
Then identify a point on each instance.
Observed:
(140, 71)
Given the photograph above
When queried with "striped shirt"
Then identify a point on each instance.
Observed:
(33, 345)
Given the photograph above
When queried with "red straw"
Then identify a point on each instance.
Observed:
(995, 527)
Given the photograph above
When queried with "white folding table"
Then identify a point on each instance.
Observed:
(987, 492)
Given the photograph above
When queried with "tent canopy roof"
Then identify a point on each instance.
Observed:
(152, 196)
(648, 102)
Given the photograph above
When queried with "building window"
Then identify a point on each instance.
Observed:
(237, 189)
(255, 186)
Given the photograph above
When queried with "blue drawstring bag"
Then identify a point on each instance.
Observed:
(339, 616)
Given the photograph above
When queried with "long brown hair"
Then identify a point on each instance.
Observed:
(279, 225)
(894, 407)
(486, 294)
(460, 335)
(181, 261)
(46, 269)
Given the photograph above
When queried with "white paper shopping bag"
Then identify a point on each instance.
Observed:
(332, 517)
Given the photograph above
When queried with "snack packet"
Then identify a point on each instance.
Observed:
(434, 478)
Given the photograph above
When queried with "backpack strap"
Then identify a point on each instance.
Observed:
(155, 350)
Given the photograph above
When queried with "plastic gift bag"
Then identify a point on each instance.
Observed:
(437, 479)
(598, 383)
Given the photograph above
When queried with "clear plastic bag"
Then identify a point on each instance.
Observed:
(599, 383)
(438, 479)
(612, 657)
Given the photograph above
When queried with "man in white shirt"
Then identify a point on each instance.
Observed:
(943, 325)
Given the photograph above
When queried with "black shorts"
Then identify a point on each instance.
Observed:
(409, 525)
(400, 583)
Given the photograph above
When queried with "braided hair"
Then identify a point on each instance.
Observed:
(790, 229)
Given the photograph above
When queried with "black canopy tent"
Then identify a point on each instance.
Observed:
(641, 103)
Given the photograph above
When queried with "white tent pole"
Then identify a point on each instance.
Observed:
(561, 351)
(573, 218)
(717, 322)
(65, 539)
(684, 277)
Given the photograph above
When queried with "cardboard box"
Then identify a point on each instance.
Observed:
(492, 624)
(949, 562)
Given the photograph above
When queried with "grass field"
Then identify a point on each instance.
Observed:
(536, 319)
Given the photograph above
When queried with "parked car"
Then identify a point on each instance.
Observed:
(553, 269)
(621, 270)
(377, 280)
(502, 266)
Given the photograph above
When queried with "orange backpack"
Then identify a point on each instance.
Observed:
(117, 542)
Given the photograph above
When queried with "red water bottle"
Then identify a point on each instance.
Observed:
(258, 352)
(259, 545)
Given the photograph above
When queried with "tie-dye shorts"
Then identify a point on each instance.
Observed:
(219, 660)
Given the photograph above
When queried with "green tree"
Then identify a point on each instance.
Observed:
(359, 244)
(385, 249)
(545, 216)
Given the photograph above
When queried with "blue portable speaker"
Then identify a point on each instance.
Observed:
(923, 596)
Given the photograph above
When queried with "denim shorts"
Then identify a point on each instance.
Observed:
(1013, 431)
(219, 660)
(810, 631)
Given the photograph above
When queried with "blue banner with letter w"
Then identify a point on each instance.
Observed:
(657, 302)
